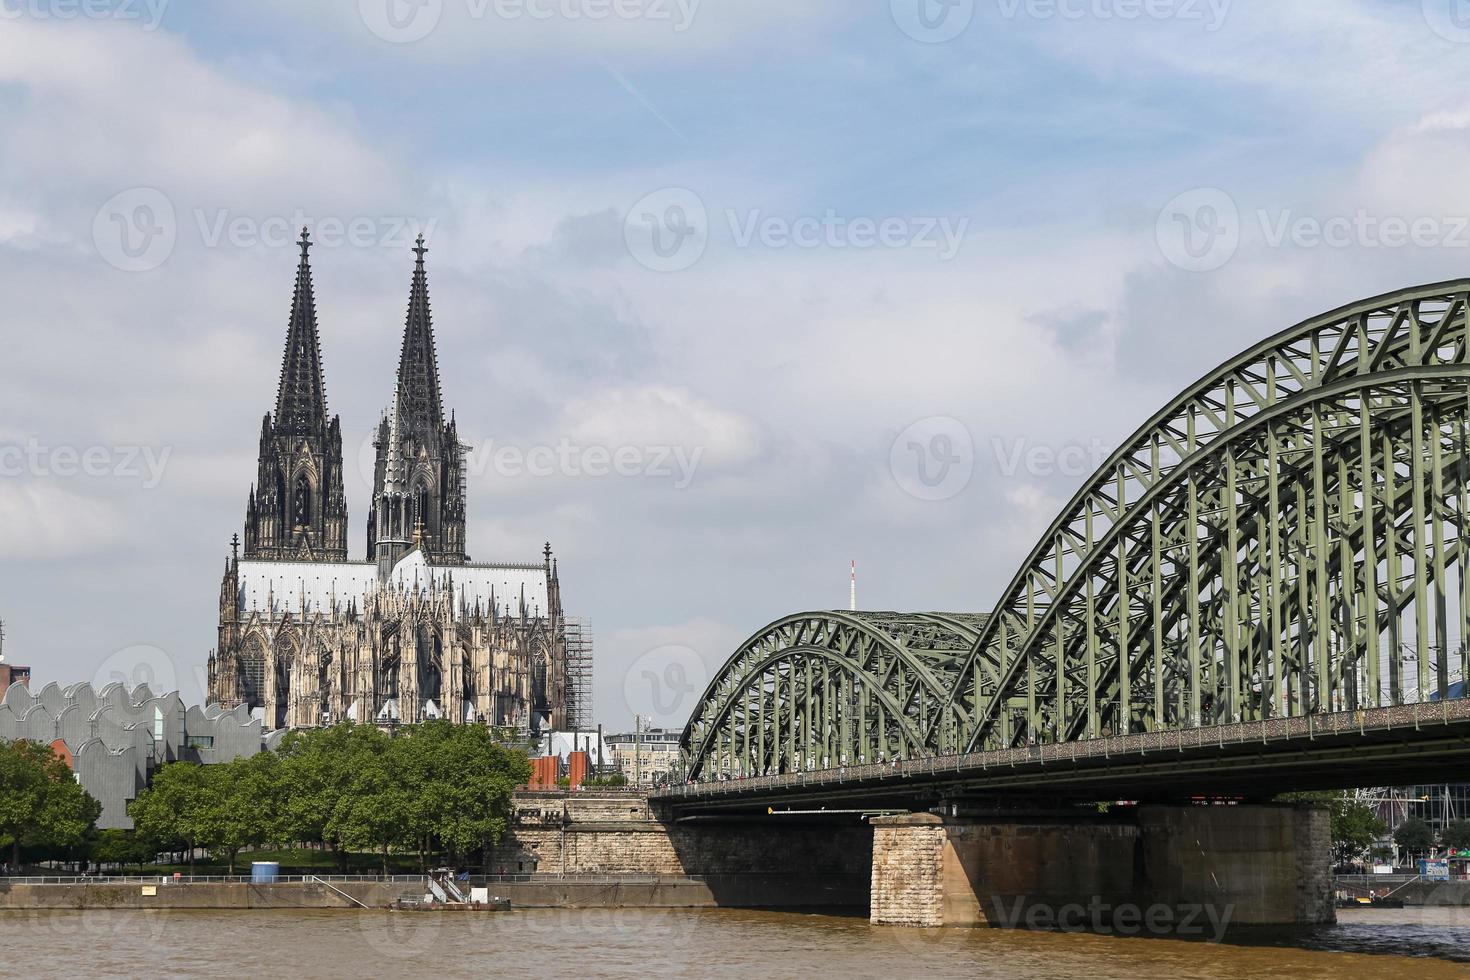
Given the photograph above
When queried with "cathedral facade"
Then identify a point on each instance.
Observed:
(416, 630)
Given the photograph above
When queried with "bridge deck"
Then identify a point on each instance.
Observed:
(1419, 743)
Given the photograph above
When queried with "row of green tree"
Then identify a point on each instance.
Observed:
(437, 790)
(1358, 831)
(1417, 837)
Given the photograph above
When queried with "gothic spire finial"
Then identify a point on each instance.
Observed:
(393, 477)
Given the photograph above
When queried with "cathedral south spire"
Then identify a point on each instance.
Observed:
(297, 509)
(419, 475)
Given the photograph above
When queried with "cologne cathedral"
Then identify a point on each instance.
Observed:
(415, 631)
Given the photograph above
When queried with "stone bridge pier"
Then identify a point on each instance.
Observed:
(1187, 871)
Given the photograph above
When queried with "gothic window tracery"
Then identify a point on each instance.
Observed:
(302, 501)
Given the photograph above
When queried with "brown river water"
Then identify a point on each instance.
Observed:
(1366, 944)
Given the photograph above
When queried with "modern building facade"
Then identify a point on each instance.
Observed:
(415, 630)
(115, 738)
(646, 758)
(10, 673)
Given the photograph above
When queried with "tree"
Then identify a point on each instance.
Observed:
(1355, 826)
(461, 781)
(318, 769)
(242, 805)
(41, 802)
(1457, 835)
(125, 848)
(1414, 836)
(376, 814)
(175, 806)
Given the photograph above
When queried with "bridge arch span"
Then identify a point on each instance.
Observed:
(824, 689)
(1287, 537)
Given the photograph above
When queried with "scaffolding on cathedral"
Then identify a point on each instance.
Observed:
(579, 675)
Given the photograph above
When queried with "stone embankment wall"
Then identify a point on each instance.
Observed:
(587, 833)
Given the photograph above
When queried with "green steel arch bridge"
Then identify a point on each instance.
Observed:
(1263, 589)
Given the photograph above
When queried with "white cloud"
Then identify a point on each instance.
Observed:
(659, 415)
(42, 520)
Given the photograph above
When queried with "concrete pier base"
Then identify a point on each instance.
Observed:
(1166, 870)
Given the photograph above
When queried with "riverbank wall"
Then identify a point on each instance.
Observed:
(1413, 893)
(582, 891)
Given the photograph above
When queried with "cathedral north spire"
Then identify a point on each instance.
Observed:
(297, 508)
(301, 399)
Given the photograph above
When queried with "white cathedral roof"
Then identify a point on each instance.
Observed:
(329, 587)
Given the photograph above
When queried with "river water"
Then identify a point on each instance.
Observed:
(1366, 944)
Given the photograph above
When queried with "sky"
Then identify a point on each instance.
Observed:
(727, 293)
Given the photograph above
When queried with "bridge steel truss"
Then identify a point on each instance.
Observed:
(1285, 538)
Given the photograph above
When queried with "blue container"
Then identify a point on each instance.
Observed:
(265, 872)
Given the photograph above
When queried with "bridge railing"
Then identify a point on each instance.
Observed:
(473, 879)
(1264, 731)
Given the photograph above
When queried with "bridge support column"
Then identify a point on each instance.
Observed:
(1166, 870)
